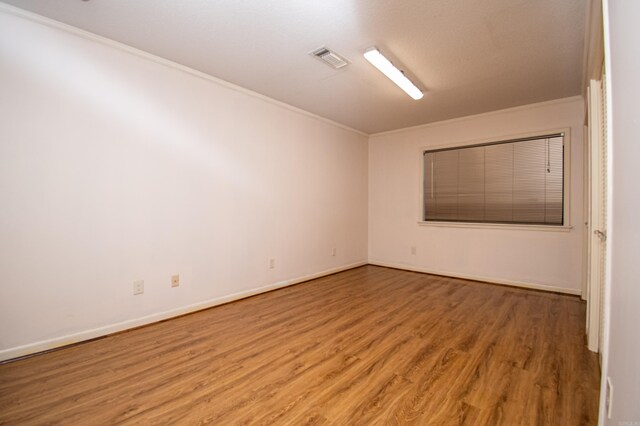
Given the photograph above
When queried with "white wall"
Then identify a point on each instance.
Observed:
(622, 340)
(116, 167)
(539, 258)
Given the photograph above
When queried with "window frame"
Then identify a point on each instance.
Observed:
(565, 227)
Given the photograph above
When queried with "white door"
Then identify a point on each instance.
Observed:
(597, 240)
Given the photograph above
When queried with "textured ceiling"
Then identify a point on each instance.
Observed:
(469, 56)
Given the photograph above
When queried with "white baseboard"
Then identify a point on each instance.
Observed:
(45, 345)
(555, 289)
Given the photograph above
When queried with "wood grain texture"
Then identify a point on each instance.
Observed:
(366, 346)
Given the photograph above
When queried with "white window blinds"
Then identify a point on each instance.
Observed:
(519, 181)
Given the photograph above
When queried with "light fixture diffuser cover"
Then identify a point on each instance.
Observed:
(385, 66)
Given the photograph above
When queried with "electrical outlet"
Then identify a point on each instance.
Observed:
(175, 280)
(608, 398)
(413, 250)
(333, 251)
(272, 263)
(138, 287)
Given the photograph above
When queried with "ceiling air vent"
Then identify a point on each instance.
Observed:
(330, 58)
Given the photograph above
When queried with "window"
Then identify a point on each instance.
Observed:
(517, 182)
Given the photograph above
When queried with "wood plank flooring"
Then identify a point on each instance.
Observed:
(366, 346)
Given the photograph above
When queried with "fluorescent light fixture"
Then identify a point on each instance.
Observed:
(385, 66)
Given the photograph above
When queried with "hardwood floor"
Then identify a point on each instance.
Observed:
(367, 346)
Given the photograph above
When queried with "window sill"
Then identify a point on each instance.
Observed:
(508, 226)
